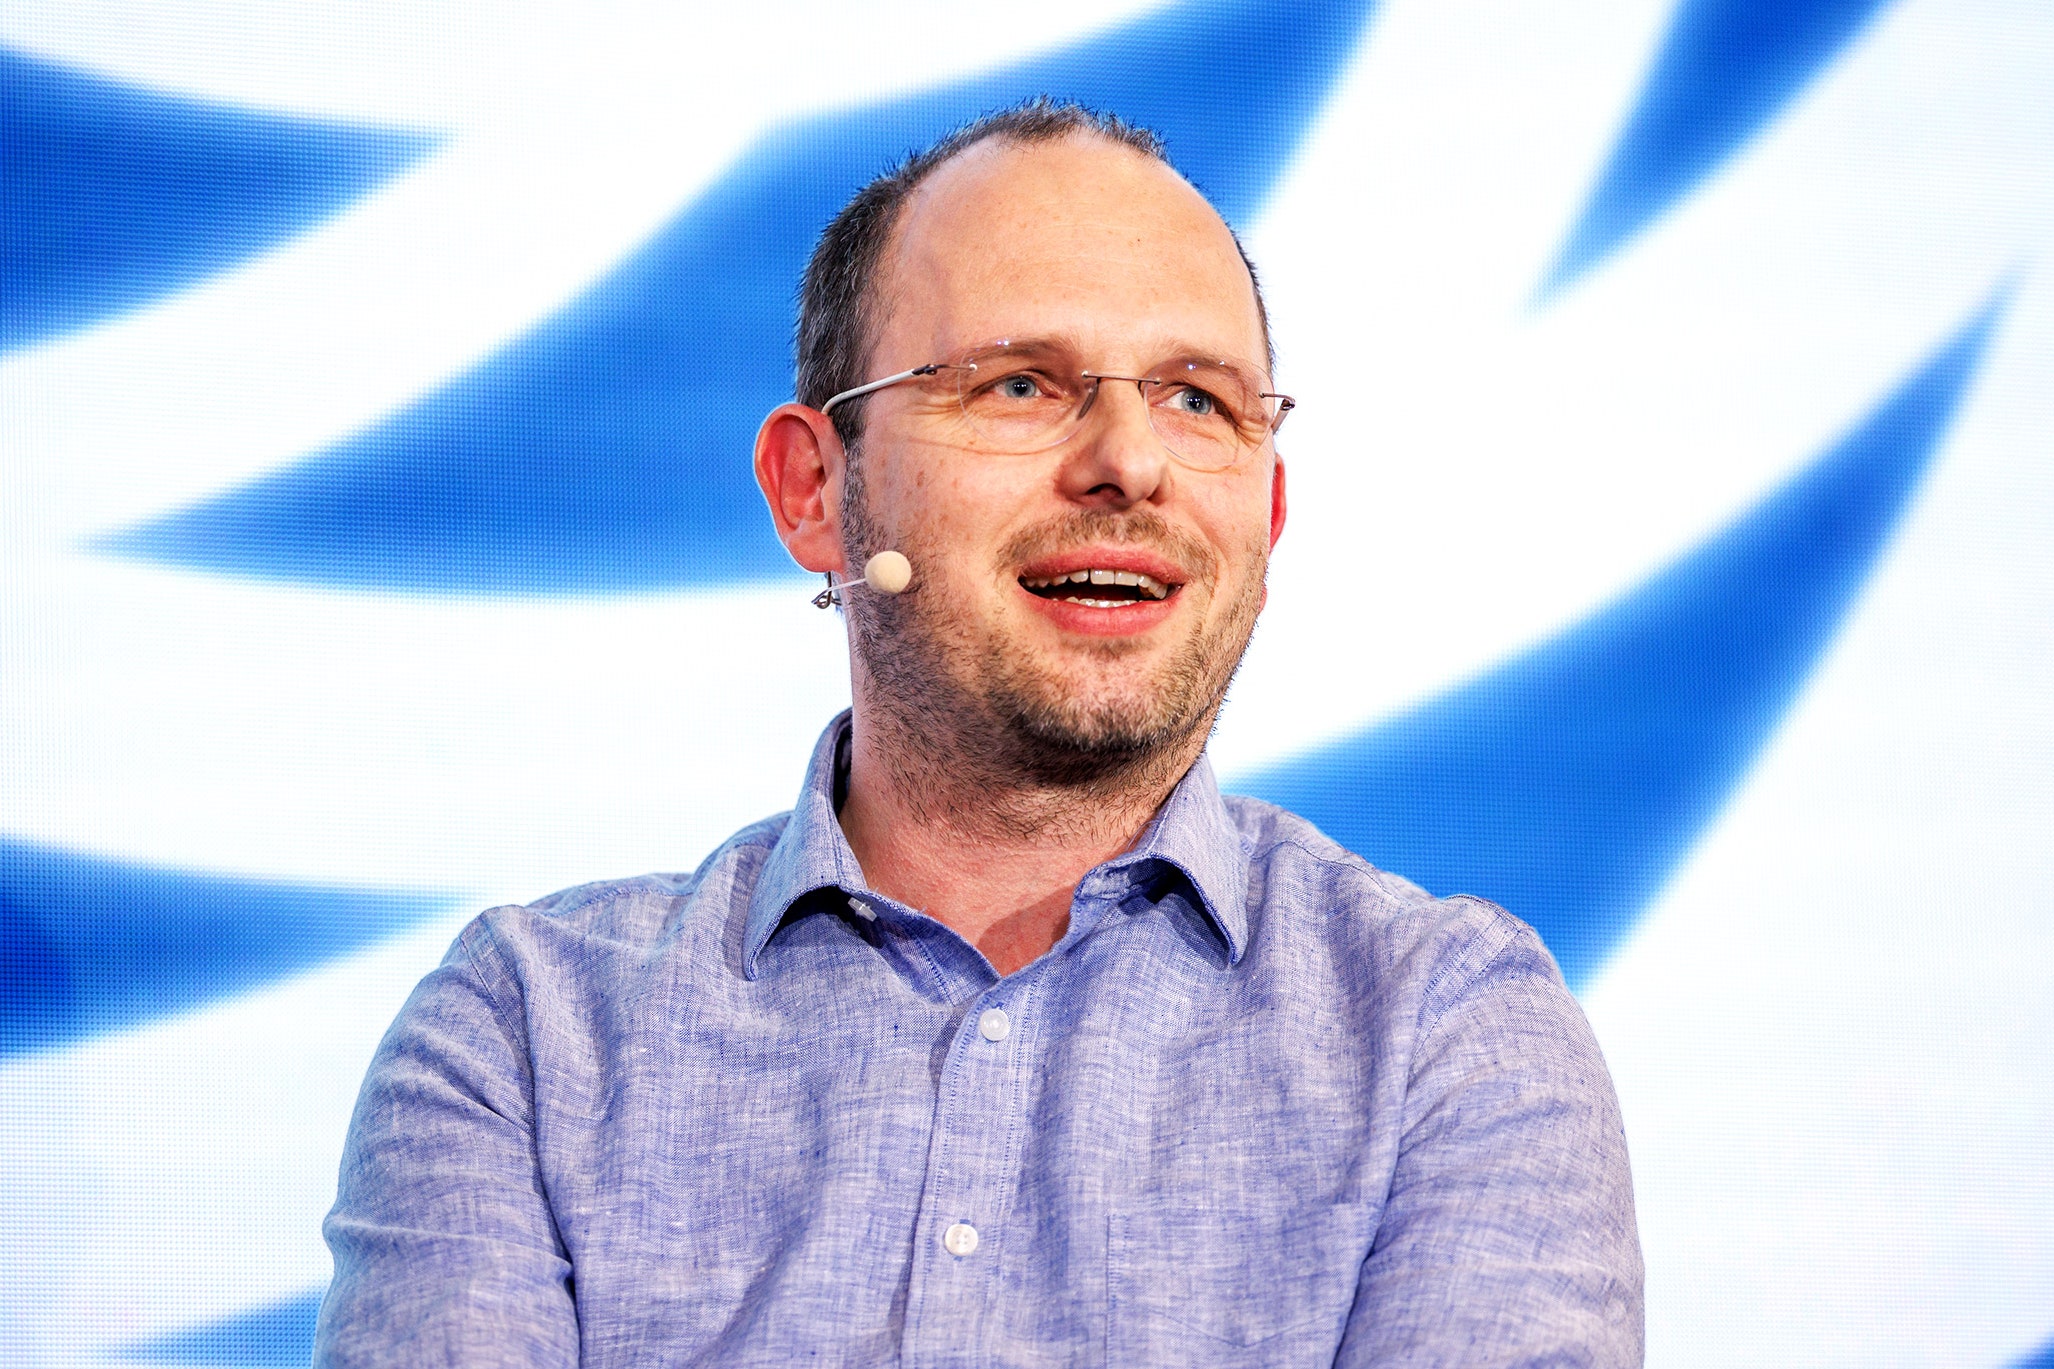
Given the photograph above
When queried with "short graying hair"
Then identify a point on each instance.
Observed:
(837, 299)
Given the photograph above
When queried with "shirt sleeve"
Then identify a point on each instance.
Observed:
(445, 1249)
(1508, 1238)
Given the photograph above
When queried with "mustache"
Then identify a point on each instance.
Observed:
(1194, 560)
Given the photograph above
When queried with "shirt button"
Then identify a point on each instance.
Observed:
(960, 1239)
(993, 1025)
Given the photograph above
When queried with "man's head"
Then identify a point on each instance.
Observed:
(1072, 240)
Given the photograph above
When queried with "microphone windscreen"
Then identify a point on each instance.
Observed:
(888, 572)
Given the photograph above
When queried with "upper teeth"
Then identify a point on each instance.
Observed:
(1147, 584)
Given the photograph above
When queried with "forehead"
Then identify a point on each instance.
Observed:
(1078, 238)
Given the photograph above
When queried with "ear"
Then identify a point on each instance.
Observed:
(799, 466)
(1276, 502)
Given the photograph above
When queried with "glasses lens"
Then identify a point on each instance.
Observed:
(1017, 400)
(1210, 413)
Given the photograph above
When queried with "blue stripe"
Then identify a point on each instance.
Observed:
(608, 451)
(1726, 69)
(280, 1334)
(90, 945)
(2042, 1358)
(1568, 782)
(111, 196)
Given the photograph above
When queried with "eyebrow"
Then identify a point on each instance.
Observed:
(1041, 347)
(1037, 346)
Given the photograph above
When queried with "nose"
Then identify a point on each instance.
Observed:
(1116, 460)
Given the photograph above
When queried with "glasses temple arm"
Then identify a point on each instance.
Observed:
(862, 390)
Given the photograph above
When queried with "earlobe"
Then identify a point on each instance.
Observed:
(799, 462)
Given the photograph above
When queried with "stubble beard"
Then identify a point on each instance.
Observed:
(972, 715)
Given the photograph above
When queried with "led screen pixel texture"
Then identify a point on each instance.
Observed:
(1667, 561)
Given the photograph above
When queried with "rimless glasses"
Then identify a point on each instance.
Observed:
(1017, 398)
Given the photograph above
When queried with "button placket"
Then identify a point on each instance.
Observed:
(976, 1121)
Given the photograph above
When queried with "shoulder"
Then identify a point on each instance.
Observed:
(615, 920)
(1436, 949)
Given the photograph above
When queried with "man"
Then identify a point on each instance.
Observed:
(1014, 1043)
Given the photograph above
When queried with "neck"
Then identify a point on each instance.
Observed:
(953, 827)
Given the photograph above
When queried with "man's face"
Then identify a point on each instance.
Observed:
(1095, 253)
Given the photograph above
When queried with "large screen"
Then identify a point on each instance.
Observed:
(1671, 559)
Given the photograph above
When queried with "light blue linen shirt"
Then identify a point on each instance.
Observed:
(1261, 1105)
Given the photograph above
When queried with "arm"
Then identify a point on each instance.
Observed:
(445, 1249)
(1508, 1237)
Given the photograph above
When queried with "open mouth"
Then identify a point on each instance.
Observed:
(1096, 588)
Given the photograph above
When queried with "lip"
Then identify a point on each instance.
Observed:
(1126, 620)
(1136, 559)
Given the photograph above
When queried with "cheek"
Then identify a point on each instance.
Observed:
(909, 498)
(971, 506)
(941, 516)
(1240, 524)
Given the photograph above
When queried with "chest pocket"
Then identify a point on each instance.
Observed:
(1209, 1286)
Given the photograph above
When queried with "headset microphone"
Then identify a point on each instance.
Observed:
(888, 572)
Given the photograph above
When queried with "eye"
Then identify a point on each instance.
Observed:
(1018, 386)
(1194, 403)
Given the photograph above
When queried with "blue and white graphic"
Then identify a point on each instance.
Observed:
(1669, 559)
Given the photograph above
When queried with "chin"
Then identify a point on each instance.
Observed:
(1086, 724)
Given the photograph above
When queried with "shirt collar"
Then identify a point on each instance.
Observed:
(1192, 833)
(1195, 835)
(811, 853)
